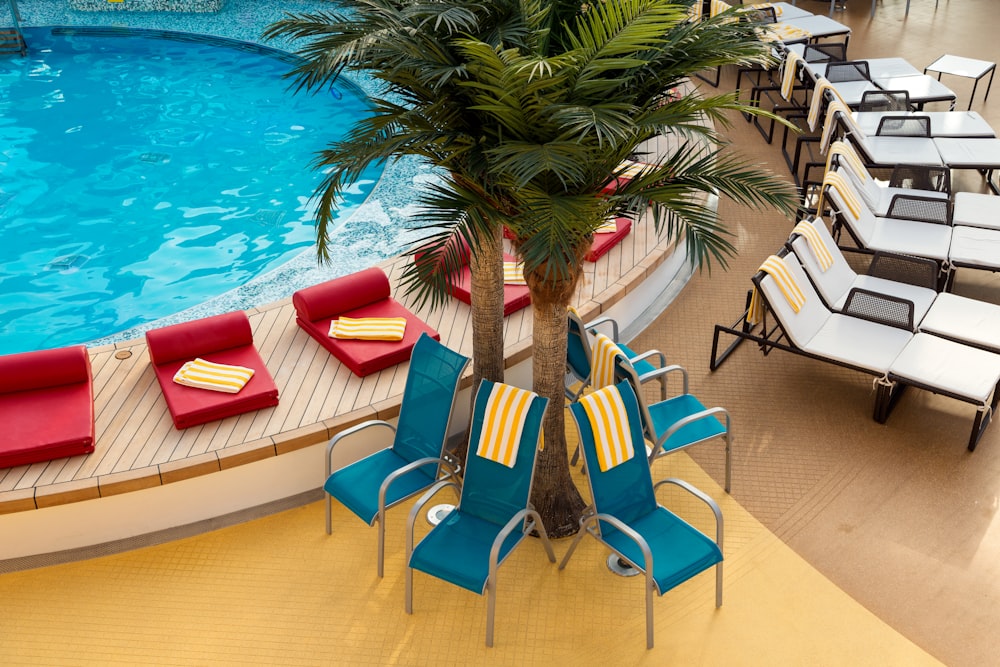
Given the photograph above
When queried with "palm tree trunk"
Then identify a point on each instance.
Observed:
(553, 494)
(486, 289)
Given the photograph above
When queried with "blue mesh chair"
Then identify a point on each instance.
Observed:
(680, 421)
(625, 515)
(493, 514)
(579, 355)
(414, 459)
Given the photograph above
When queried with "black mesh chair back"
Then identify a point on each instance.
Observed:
(827, 52)
(885, 100)
(904, 126)
(760, 15)
(921, 209)
(849, 70)
(921, 177)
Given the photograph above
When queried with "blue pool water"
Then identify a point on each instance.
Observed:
(141, 175)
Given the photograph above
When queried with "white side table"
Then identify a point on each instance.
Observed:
(967, 67)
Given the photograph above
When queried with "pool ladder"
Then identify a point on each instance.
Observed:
(12, 39)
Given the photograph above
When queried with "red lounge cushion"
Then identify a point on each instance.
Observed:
(515, 297)
(52, 414)
(363, 294)
(224, 339)
(604, 242)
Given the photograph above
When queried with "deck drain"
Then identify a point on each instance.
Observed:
(68, 262)
(620, 567)
(123, 354)
(155, 158)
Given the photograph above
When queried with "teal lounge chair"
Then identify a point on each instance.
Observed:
(625, 515)
(414, 459)
(493, 514)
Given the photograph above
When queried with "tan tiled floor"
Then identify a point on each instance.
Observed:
(831, 516)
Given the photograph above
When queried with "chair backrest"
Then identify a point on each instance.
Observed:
(578, 352)
(493, 491)
(861, 222)
(626, 490)
(853, 166)
(428, 399)
(825, 52)
(800, 326)
(836, 281)
(904, 126)
(848, 70)
(885, 100)
(921, 177)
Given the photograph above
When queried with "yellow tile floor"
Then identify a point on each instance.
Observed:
(279, 591)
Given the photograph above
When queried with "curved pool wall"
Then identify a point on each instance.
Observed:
(378, 229)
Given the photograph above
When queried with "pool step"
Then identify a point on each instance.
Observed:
(11, 41)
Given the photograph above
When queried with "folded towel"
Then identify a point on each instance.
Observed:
(835, 180)
(783, 32)
(717, 7)
(835, 107)
(849, 157)
(788, 75)
(608, 227)
(767, 5)
(216, 377)
(368, 328)
(695, 11)
(775, 267)
(602, 363)
(815, 242)
(503, 422)
(609, 421)
(513, 273)
(629, 169)
(816, 105)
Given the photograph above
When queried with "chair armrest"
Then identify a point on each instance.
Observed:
(395, 474)
(519, 518)
(917, 271)
(661, 357)
(629, 532)
(880, 308)
(920, 209)
(590, 326)
(690, 419)
(657, 373)
(701, 495)
(349, 432)
(419, 505)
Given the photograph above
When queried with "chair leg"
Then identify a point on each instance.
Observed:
(329, 515)
(409, 590)
(491, 602)
(729, 460)
(649, 612)
(718, 585)
(381, 544)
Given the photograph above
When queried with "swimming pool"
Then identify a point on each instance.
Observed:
(144, 172)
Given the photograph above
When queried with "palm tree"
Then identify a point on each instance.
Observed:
(421, 110)
(544, 102)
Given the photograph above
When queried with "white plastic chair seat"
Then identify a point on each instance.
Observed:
(976, 247)
(961, 318)
(943, 123)
(860, 343)
(948, 366)
(907, 237)
(974, 209)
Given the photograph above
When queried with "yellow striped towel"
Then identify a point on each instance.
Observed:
(503, 423)
(775, 267)
(788, 75)
(835, 107)
(717, 7)
(835, 180)
(695, 10)
(216, 377)
(630, 168)
(767, 5)
(368, 328)
(513, 273)
(783, 32)
(816, 105)
(849, 158)
(815, 243)
(608, 226)
(609, 421)
(602, 362)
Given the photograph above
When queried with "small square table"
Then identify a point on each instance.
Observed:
(970, 68)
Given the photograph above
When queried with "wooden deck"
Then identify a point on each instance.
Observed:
(138, 447)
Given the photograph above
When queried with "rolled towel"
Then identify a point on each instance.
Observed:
(816, 104)
(806, 230)
(835, 180)
(848, 156)
(609, 226)
(503, 422)
(368, 328)
(513, 273)
(204, 374)
(608, 419)
(783, 32)
(717, 7)
(835, 107)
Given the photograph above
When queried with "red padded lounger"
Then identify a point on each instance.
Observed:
(46, 406)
